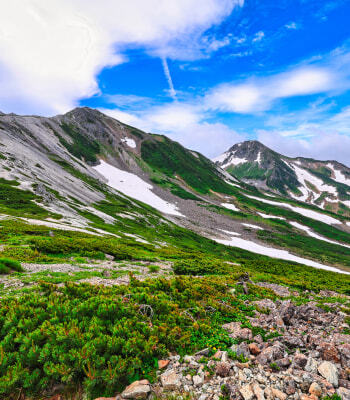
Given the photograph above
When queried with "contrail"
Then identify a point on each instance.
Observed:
(168, 77)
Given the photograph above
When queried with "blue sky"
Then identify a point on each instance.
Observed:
(207, 73)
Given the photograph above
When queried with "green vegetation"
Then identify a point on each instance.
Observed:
(14, 201)
(175, 189)
(174, 160)
(249, 170)
(8, 265)
(81, 146)
(104, 338)
(308, 247)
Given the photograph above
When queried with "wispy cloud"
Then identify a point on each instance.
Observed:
(258, 94)
(258, 36)
(172, 91)
(292, 25)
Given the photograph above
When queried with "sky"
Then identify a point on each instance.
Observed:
(207, 73)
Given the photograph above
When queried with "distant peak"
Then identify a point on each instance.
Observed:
(249, 145)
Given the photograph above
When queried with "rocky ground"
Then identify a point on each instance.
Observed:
(110, 273)
(307, 357)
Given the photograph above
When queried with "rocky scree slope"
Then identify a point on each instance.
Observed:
(323, 183)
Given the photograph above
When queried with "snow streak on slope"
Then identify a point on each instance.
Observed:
(270, 216)
(338, 176)
(303, 211)
(133, 186)
(275, 253)
(253, 226)
(315, 235)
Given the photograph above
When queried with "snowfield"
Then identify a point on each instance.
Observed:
(133, 186)
(275, 253)
(303, 211)
(304, 176)
(129, 142)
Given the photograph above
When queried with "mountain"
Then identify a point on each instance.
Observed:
(122, 251)
(87, 172)
(322, 183)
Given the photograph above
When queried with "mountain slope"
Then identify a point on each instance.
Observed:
(88, 173)
(322, 183)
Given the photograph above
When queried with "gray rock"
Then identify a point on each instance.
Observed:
(170, 380)
(343, 393)
(329, 372)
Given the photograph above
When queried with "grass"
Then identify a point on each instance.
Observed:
(8, 265)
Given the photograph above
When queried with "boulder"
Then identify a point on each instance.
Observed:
(247, 392)
(223, 369)
(343, 393)
(137, 390)
(329, 352)
(344, 352)
(329, 372)
(315, 389)
(163, 364)
(270, 354)
(170, 380)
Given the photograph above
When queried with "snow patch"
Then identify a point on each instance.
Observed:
(234, 161)
(129, 142)
(338, 175)
(303, 211)
(315, 235)
(253, 226)
(221, 158)
(258, 160)
(230, 233)
(133, 186)
(275, 253)
(270, 216)
(231, 183)
(230, 206)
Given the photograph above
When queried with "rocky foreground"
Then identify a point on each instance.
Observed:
(307, 357)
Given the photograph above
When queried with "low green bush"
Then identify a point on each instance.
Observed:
(103, 338)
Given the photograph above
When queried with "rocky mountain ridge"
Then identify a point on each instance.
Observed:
(322, 183)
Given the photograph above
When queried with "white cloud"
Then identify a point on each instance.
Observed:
(291, 25)
(258, 94)
(258, 36)
(51, 51)
(322, 144)
(184, 123)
